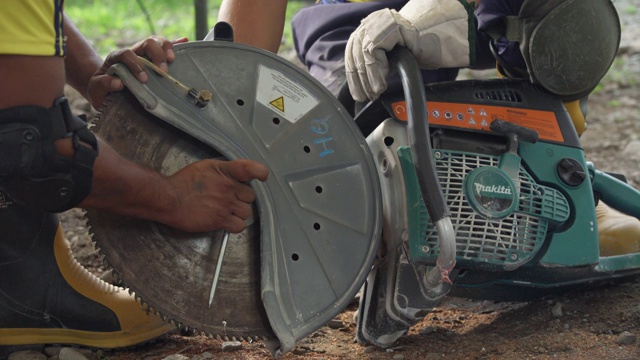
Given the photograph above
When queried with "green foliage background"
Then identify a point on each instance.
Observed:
(113, 24)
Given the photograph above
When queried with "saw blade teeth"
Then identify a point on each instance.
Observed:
(105, 230)
(96, 121)
(115, 276)
(83, 218)
(122, 283)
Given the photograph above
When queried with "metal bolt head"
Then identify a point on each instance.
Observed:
(203, 98)
(28, 135)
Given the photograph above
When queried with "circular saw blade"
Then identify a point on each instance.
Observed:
(173, 271)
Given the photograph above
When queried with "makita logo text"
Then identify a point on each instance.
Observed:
(492, 189)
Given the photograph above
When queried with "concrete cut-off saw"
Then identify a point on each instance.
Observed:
(475, 188)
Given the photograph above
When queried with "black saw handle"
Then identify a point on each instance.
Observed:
(402, 62)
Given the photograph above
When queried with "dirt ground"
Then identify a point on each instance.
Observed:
(601, 323)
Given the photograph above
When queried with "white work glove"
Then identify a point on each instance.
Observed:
(435, 31)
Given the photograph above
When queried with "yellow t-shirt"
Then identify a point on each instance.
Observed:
(31, 27)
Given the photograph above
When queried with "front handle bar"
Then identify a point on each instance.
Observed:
(401, 61)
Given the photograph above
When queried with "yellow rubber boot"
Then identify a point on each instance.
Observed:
(619, 233)
(47, 297)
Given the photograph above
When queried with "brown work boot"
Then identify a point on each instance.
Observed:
(47, 297)
(619, 233)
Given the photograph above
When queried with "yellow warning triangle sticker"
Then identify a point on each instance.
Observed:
(278, 103)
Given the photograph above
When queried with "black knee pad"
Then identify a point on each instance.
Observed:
(31, 171)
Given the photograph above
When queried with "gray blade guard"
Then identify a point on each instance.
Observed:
(320, 209)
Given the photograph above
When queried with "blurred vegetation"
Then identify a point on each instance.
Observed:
(113, 24)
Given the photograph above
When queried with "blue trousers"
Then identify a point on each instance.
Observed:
(321, 32)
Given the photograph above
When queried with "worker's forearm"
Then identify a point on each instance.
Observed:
(124, 187)
(81, 60)
(256, 23)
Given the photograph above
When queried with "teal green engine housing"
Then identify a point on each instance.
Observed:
(501, 223)
(490, 192)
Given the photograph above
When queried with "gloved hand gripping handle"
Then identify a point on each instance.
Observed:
(405, 65)
(403, 62)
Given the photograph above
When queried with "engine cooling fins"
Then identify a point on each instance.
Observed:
(317, 219)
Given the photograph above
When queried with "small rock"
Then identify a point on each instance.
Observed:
(176, 357)
(626, 338)
(204, 356)
(71, 354)
(231, 346)
(108, 277)
(369, 349)
(632, 149)
(556, 310)
(335, 324)
(398, 357)
(427, 330)
(52, 351)
(90, 354)
(27, 355)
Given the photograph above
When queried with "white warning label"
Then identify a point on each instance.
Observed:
(283, 95)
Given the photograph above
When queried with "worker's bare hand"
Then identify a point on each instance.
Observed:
(156, 48)
(213, 195)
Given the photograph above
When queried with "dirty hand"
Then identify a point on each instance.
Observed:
(214, 195)
(158, 49)
(435, 31)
